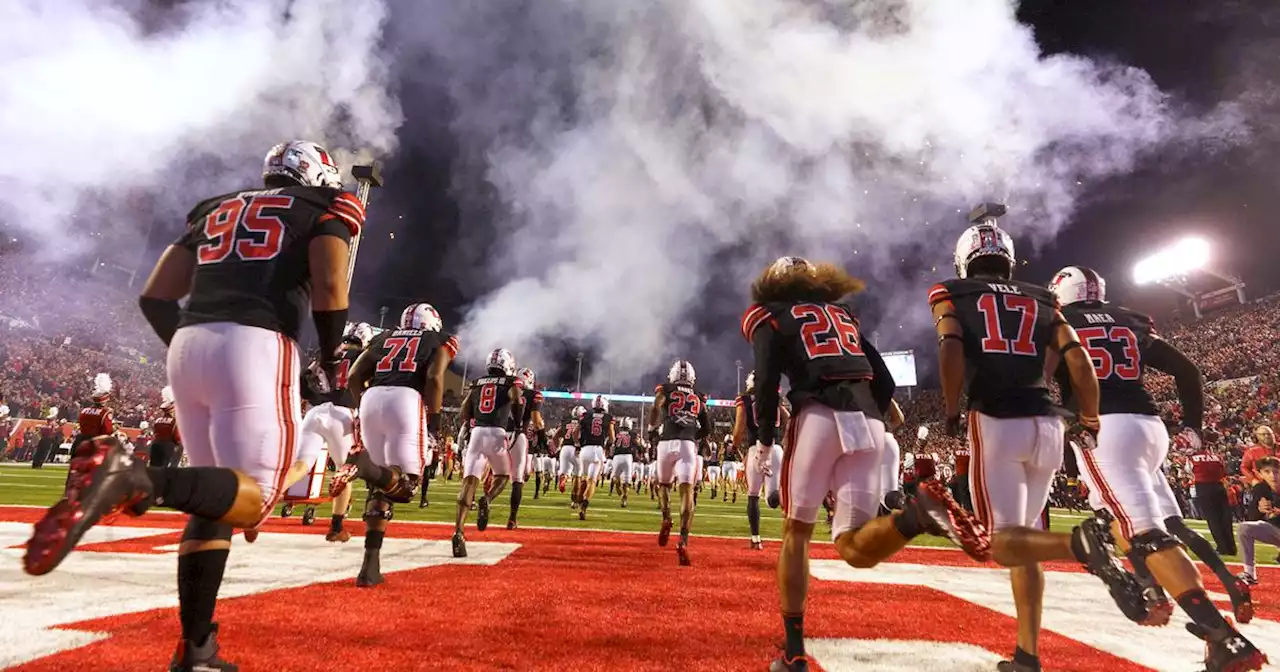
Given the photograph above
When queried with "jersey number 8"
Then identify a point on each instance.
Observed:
(253, 236)
(488, 398)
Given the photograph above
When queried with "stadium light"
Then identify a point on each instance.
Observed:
(1182, 257)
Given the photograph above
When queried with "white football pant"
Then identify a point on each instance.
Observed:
(1123, 470)
(678, 460)
(713, 473)
(393, 427)
(518, 457)
(731, 470)
(758, 459)
(889, 471)
(569, 460)
(590, 461)
(235, 391)
(832, 451)
(486, 446)
(622, 467)
(1012, 467)
(326, 426)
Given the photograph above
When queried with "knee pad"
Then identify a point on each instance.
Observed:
(405, 488)
(1151, 541)
(378, 507)
(203, 529)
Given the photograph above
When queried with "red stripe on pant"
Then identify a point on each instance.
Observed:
(1108, 495)
(788, 450)
(981, 498)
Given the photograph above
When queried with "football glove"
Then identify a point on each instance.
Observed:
(953, 429)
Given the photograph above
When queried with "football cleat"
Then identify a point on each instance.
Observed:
(423, 504)
(1246, 579)
(562, 480)
(582, 513)
(757, 545)
(1226, 650)
(1159, 607)
(347, 472)
(203, 658)
(682, 552)
(1011, 666)
(250, 536)
(459, 545)
(944, 517)
(370, 571)
(482, 513)
(664, 532)
(1242, 605)
(784, 664)
(1094, 536)
(511, 525)
(339, 536)
(103, 480)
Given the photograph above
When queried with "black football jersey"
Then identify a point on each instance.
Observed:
(747, 402)
(341, 395)
(491, 401)
(1116, 339)
(686, 412)
(404, 355)
(623, 443)
(713, 454)
(251, 250)
(1007, 329)
(532, 402)
(595, 428)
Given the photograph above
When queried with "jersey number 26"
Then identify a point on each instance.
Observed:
(826, 330)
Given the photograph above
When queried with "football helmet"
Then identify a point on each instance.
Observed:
(982, 240)
(144, 425)
(600, 403)
(306, 163)
(359, 333)
(681, 372)
(628, 423)
(578, 412)
(1074, 284)
(4, 411)
(502, 360)
(751, 382)
(421, 316)
(526, 376)
(785, 264)
(101, 387)
(166, 398)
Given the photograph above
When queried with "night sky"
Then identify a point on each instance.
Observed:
(1200, 56)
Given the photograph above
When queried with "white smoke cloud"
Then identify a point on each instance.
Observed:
(104, 103)
(648, 155)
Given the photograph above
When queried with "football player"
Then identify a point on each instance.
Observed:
(595, 434)
(166, 449)
(568, 455)
(679, 416)
(994, 334)
(252, 262)
(731, 469)
(623, 460)
(1122, 469)
(398, 386)
(713, 466)
(492, 401)
(764, 460)
(840, 390)
(330, 423)
(528, 427)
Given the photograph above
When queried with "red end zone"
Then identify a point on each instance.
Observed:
(560, 600)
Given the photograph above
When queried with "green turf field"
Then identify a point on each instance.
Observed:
(21, 485)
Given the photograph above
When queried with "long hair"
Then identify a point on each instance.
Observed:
(823, 283)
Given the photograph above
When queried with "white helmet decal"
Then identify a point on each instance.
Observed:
(306, 163)
(681, 372)
(421, 316)
(526, 376)
(502, 360)
(1078, 283)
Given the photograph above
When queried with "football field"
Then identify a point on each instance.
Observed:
(558, 593)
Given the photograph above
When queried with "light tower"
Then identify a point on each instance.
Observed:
(1174, 266)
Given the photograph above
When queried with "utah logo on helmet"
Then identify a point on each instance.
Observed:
(1074, 284)
(304, 162)
(421, 316)
(502, 360)
(681, 372)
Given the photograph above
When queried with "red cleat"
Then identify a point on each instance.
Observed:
(103, 480)
(561, 484)
(682, 552)
(953, 521)
(1159, 609)
(664, 532)
(1244, 608)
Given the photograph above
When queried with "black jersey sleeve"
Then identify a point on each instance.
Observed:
(1162, 356)
(882, 384)
(768, 376)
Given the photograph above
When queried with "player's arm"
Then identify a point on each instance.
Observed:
(895, 415)
(765, 343)
(515, 395)
(327, 257)
(1084, 380)
(784, 419)
(739, 423)
(464, 413)
(655, 412)
(433, 387)
(169, 281)
(950, 355)
(1162, 356)
(613, 433)
(362, 372)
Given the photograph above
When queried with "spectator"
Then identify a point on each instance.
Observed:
(1264, 517)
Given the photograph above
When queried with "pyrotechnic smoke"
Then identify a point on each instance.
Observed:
(105, 107)
(649, 158)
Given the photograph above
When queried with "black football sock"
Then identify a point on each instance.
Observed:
(793, 624)
(517, 493)
(584, 504)
(537, 483)
(199, 578)
(208, 492)
(1026, 660)
(375, 474)
(1201, 609)
(907, 522)
(1205, 551)
(753, 515)
(373, 541)
(335, 522)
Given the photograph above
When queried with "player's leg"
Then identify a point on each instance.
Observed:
(624, 469)
(495, 448)
(686, 474)
(757, 463)
(1241, 597)
(591, 458)
(668, 454)
(773, 484)
(519, 457)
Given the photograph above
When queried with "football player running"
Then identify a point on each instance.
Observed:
(568, 455)
(679, 416)
(233, 365)
(764, 460)
(595, 433)
(732, 468)
(994, 334)
(331, 423)
(623, 461)
(1123, 471)
(528, 428)
(840, 390)
(491, 402)
(398, 385)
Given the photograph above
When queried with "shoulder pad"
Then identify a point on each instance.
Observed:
(939, 293)
(754, 316)
(450, 345)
